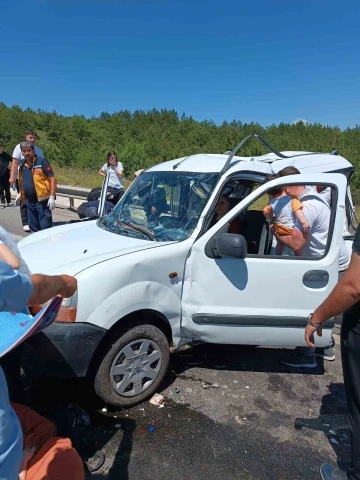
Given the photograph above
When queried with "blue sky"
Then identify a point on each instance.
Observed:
(266, 60)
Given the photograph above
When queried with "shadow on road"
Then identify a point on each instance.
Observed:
(330, 422)
(239, 358)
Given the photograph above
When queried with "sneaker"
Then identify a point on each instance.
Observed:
(301, 361)
(26, 228)
(2, 205)
(326, 353)
(10, 204)
(328, 472)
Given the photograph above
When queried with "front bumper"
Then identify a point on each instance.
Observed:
(63, 349)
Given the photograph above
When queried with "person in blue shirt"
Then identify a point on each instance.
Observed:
(16, 292)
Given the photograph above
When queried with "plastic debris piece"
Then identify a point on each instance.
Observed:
(214, 385)
(104, 410)
(151, 428)
(238, 420)
(161, 406)
(205, 386)
(326, 424)
(247, 386)
(333, 440)
(332, 432)
(142, 430)
(157, 399)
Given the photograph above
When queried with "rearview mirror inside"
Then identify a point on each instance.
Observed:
(229, 245)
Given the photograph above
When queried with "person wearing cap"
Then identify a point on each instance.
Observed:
(37, 187)
(17, 158)
(5, 160)
(16, 292)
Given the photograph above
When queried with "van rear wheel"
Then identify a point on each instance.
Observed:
(133, 367)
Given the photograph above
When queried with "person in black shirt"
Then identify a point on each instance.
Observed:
(5, 160)
(345, 298)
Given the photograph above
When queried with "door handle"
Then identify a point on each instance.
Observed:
(316, 278)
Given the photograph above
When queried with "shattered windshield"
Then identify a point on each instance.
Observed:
(161, 206)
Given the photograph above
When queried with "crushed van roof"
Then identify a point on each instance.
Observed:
(307, 162)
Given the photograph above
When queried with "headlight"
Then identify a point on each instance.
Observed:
(68, 309)
(70, 302)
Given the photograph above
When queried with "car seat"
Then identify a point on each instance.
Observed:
(257, 234)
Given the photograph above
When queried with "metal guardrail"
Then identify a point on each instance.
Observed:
(72, 193)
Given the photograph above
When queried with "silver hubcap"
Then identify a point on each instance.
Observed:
(135, 368)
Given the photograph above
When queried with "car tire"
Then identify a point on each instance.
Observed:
(137, 340)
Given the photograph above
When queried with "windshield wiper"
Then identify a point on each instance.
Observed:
(143, 230)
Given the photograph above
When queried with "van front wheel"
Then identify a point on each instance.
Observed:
(133, 367)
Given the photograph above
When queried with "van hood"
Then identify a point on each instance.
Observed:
(75, 247)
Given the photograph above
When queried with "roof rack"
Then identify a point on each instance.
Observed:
(237, 148)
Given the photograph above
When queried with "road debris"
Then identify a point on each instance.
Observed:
(332, 432)
(333, 440)
(151, 428)
(157, 399)
(207, 385)
(104, 410)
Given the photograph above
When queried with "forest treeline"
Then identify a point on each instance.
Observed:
(144, 138)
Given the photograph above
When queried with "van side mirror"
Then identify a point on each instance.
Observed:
(229, 245)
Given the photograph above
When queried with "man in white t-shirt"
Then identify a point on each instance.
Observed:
(313, 244)
(17, 158)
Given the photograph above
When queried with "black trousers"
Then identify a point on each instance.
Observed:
(23, 208)
(350, 353)
(5, 188)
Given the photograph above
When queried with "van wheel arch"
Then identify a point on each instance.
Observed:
(132, 320)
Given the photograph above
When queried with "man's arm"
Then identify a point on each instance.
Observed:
(345, 294)
(14, 164)
(296, 241)
(52, 186)
(46, 287)
(13, 169)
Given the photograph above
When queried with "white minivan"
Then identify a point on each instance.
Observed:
(158, 271)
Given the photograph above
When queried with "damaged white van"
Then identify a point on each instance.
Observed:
(158, 271)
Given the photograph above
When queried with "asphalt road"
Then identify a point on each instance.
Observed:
(11, 221)
(230, 412)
